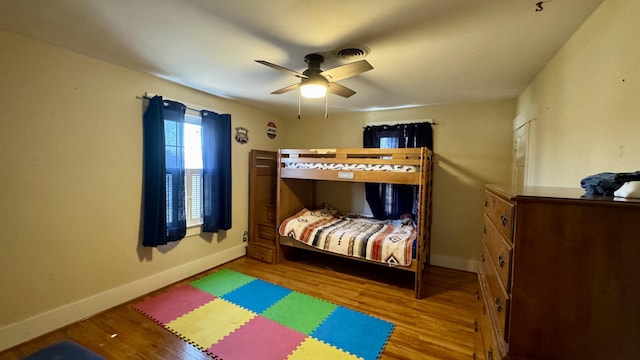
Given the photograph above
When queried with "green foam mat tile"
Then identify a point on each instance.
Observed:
(300, 312)
(222, 282)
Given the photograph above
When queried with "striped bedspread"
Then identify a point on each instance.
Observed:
(375, 240)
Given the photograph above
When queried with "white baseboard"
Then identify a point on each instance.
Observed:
(451, 262)
(27, 329)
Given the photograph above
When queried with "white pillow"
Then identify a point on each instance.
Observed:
(630, 189)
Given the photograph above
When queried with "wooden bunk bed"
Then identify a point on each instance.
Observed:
(299, 169)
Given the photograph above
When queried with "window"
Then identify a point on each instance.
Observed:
(386, 190)
(209, 174)
(392, 200)
(193, 169)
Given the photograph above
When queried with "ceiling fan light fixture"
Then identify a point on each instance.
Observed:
(313, 91)
(313, 88)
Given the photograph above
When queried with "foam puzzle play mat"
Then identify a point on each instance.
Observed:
(234, 316)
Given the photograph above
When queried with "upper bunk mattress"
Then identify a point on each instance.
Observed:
(352, 167)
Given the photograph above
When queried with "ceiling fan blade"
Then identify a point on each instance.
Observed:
(283, 69)
(347, 70)
(340, 90)
(287, 88)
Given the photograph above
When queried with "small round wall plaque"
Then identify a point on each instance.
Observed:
(272, 130)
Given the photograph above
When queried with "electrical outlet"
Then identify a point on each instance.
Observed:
(245, 236)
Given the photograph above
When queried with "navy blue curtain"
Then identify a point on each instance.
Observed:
(164, 217)
(216, 171)
(391, 201)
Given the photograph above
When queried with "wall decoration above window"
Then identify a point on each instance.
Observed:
(242, 135)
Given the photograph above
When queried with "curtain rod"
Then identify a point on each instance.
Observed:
(186, 107)
(400, 122)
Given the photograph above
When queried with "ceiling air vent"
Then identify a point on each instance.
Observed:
(352, 53)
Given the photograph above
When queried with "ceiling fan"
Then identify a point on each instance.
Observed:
(315, 82)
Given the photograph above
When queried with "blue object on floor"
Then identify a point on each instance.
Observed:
(332, 331)
(64, 350)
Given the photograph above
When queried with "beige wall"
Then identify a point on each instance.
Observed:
(70, 190)
(472, 143)
(586, 100)
(70, 149)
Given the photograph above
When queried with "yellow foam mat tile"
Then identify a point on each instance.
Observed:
(311, 349)
(210, 323)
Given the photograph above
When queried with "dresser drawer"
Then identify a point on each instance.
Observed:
(500, 212)
(500, 251)
(492, 347)
(482, 326)
(479, 325)
(497, 299)
(260, 253)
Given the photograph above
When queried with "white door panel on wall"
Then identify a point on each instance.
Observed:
(522, 145)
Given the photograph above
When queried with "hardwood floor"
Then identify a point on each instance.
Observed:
(439, 326)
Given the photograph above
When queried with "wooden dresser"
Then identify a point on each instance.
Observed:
(559, 276)
(262, 206)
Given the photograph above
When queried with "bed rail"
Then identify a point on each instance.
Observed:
(399, 166)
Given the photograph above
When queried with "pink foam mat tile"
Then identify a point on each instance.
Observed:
(172, 304)
(259, 338)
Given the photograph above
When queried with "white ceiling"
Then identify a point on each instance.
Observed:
(423, 51)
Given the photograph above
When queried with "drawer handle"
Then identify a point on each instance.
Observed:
(475, 325)
(503, 220)
(501, 261)
(486, 202)
(484, 229)
(498, 305)
(490, 355)
(477, 295)
(482, 257)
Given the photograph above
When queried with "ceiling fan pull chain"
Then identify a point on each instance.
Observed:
(326, 106)
(298, 105)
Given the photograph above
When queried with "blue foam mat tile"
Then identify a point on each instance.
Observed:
(364, 337)
(257, 295)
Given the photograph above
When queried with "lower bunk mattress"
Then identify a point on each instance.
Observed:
(386, 241)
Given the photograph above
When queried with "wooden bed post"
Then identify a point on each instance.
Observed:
(424, 222)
